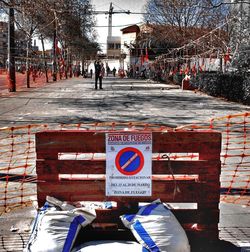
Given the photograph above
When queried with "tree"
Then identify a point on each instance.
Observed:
(27, 24)
(240, 35)
(11, 43)
(176, 22)
(183, 14)
(69, 22)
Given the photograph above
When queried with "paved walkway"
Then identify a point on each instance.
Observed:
(125, 100)
(75, 100)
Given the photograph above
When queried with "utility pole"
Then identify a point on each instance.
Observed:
(111, 8)
(11, 50)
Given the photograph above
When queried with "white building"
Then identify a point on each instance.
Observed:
(129, 35)
(113, 47)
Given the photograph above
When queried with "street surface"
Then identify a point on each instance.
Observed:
(121, 100)
(125, 100)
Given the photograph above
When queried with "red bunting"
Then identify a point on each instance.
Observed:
(227, 57)
(142, 57)
(187, 70)
(202, 66)
(194, 70)
(146, 56)
(58, 50)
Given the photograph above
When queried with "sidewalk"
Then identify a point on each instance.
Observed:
(126, 100)
(123, 100)
(20, 82)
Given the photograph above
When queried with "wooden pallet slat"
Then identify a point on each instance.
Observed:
(203, 167)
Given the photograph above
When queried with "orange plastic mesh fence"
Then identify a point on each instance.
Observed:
(18, 171)
(36, 80)
(235, 155)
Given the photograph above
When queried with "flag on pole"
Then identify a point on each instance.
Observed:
(194, 70)
(142, 57)
(146, 56)
(58, 50)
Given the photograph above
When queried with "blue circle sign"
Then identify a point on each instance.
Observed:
(129, 161)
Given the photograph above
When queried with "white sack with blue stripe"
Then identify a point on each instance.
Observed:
(57, 225)
(110, 246)
(157, 229)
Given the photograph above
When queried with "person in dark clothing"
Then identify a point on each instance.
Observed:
(108, 70)
(114, 71)
(98, 74)
(91, 73)
(102, 73)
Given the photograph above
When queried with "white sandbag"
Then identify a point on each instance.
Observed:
(110, 246)
(156, 228)
(55, 229)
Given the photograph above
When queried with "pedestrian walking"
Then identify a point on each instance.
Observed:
(114, 71)
(99, 73)
(102, 73)
(108, 70)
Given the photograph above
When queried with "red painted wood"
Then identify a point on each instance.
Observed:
(205, 168)
(204, 189)
(79, 190)
(89, 142)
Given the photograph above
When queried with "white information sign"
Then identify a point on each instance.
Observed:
(128, 164)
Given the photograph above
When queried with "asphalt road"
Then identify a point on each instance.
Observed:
(76, 101)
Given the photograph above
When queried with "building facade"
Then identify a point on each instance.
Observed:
(113, 47)
(128, 40)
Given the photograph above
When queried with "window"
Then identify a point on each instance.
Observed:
(111, 46)
(117, 46)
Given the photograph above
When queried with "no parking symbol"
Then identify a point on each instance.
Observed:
(128, 164)
(129, 161)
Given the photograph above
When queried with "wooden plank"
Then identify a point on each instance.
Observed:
(52, 142)
(71, 167)
(95, 190)
(210, 190)
(186, 142)
(207, 216)
(69, 141)
(89, 233)
(208, 169)
(205, 234)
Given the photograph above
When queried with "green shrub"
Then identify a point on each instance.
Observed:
(232, 86)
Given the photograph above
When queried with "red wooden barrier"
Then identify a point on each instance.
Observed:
(203, 189)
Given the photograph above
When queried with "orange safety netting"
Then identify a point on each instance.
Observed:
(235, 155)
(36, 80)
(18, 170)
